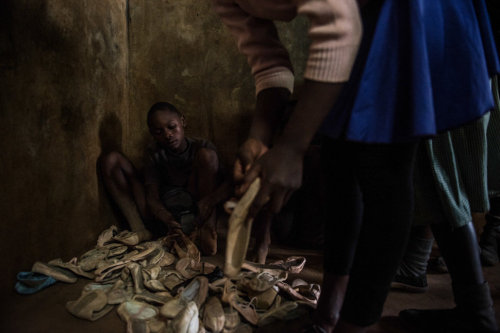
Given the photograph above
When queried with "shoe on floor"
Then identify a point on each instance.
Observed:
(412, 284)
(29, 283)
(60, 274)
(437, 265)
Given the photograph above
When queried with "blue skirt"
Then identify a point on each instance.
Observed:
(423, 67)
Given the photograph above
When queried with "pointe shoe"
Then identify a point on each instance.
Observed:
(90, 306)
(260, 282)
(167, 260)
(246, 309)
(115, 250)
(150, 277)
(120, 292)
(217, 286)
(157, 298)
(89, 260)
(29, 282)
(136, 274)
(186, 321)
(107, 235)
(189, 268)
(127, 237)
(72, 266)
(307, 294)
(238, 235)
(264, 300)
(293, 264)
(231, 318)
(196, 292)
(137, 315)
(287, 311)
(109, 272)
(184, 247)
(60, 274)
(154, 285)
(213, 315)
(172, 279)
(106, 288)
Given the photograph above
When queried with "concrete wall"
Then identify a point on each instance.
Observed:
(63, 75)
(180, 52)
(76, 78)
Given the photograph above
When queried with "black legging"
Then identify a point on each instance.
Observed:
(369, 204)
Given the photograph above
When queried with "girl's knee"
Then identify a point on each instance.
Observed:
(112, 161)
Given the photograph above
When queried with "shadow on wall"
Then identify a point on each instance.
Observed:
(110, 138)
(110, 133)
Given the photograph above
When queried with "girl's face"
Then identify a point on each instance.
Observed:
(167, 128)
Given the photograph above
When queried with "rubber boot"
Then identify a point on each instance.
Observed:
(474, 313)
(474, 307)
(489, 241)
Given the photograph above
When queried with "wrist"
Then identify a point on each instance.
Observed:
(163, 214)
(269, 109)
(292, 145)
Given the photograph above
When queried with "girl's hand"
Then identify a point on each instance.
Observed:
(280, 170)
(250, 151)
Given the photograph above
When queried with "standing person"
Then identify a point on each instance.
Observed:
(490, 237)
(178, 187)
(405, 82)
(452, 182)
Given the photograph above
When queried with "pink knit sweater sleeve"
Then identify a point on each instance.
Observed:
(335, 34)
(335, 31)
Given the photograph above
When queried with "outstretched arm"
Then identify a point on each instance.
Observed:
(335, 33)
(269, 110)
(281, 167)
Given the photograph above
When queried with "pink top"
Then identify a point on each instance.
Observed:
(335, 33)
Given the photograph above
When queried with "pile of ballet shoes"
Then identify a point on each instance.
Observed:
(164, 286)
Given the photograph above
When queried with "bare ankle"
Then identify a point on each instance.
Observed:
(327, 323)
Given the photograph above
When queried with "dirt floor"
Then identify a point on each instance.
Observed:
(45, 311)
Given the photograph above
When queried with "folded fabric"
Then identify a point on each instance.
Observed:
(30, 282)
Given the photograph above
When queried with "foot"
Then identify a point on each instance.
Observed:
(207, 240)
(259, 254)
(412, 284)
(437, 265)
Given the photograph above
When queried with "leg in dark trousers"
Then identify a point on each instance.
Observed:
(474, 311)
(385, 174)
(370, 193)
